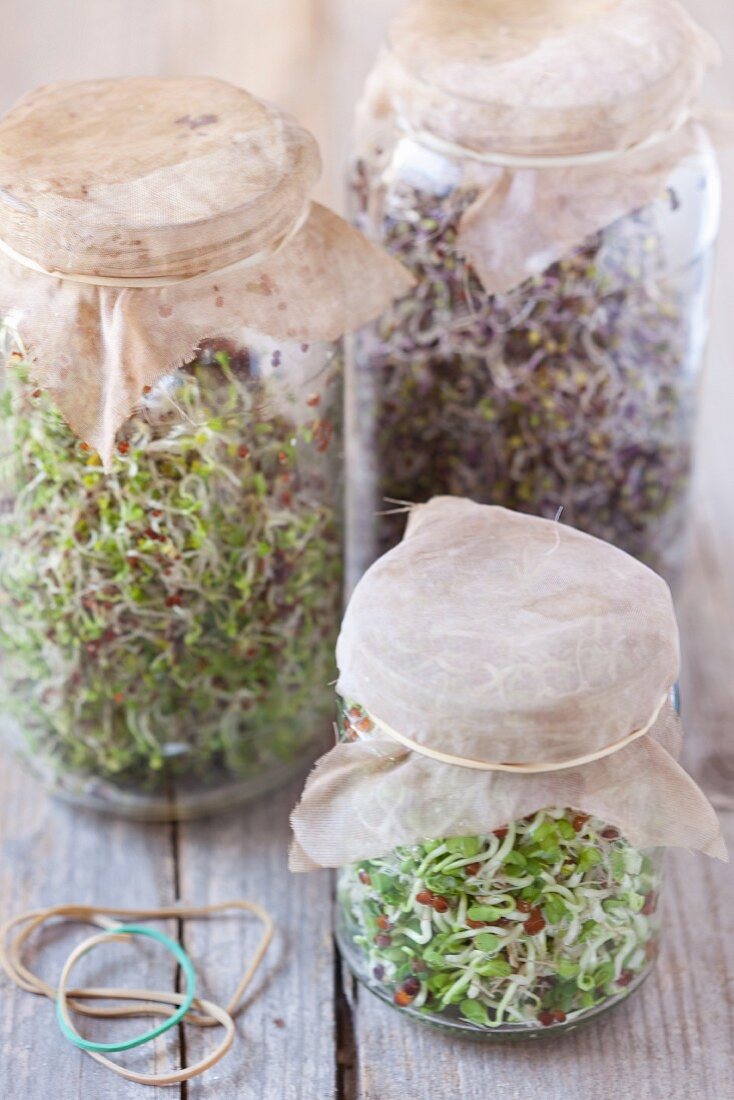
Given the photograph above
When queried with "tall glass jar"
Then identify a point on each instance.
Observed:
(171, 324)
(167, 625)
(548, 358)
(541, 925)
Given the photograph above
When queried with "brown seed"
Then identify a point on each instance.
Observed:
(473, 868)
(411, 986)
(610, 833)
(558, 1016)
(501, 833)
(314, 400)
(37, 393)
(535, 923)
(147, 390)
(384, 924)
(625, 977)
(123, 447)
(425, 897)
(651, 904)
(524, 905)
(440, 904)
(476, 923)
(579, 821)
(546, 1018)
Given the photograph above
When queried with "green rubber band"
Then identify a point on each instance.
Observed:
(186, 965)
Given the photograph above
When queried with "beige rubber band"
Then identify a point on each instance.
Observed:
(174, 1077)
(155, 282)
(146, 1002)
(528, 768)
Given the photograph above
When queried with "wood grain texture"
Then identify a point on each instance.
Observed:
(286, 1047)
(53, 855)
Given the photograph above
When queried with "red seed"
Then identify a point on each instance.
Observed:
(546, 1018)
(524, 905)
(425, 897)
(579, 821)
(625, 977)
(476, 923)
(440, 904)
(402, 999)
(314, 400)
(365, 725)
(383, 940)
(118, 697)
(502, 922)
(156, 513)
(123, 448)
(84, 447)
(174, 601)
(558, 1016)
(384, 924)
(147, 390)
(243, 451)
(37, 393)
(282, 457)
(651, 904)
(411, 986)
(535, 923)
(610, 833)
(473, 868)
(501, 833)
(365, 878)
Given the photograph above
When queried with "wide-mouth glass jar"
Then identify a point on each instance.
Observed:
(170, 441)
(505, 780)
(540, 925)
(167, 625)
(549, 356)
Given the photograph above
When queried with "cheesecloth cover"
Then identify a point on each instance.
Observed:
(139, 217)
(507, 664)
(560, 115)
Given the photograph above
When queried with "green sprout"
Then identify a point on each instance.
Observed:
(537, 925)
(169, 623)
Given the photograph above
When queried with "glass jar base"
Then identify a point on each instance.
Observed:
(464, 1029)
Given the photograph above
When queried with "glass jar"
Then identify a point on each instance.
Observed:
(529, 931)
(167, 626)
(572, 389)
(171, 443)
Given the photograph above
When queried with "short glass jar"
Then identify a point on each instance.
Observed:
(167, 626)
(569, 387)
(533, 929)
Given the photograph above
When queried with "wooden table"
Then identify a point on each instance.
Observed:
(309, 1033)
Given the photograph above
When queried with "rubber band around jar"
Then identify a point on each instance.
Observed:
(156, 282)
(525, 768)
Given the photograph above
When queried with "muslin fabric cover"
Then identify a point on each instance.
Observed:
(499, 637)
(570, 79)
(190, 183)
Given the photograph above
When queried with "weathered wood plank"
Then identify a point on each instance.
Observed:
(51, 854)
(286, 1044)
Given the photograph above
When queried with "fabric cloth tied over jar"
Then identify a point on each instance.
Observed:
(504, 663)
(173, 211)
(560, 115)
